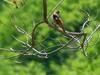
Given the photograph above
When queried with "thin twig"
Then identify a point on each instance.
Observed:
(90, 37)
(58, 4)
(48, 53)
(33, 32)
(85, 23)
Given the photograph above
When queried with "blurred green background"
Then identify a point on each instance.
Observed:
(60, 63)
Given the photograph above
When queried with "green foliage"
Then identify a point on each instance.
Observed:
(61, 63)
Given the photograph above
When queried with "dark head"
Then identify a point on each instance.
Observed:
(56, 15)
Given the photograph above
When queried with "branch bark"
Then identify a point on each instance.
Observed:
(45, 10)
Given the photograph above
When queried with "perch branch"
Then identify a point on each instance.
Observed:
(45, 10)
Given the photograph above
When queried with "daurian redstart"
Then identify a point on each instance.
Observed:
(57, 20)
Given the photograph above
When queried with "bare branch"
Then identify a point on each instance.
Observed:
(33, 32)
(47, 53)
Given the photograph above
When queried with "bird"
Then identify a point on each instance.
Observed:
(57, 20)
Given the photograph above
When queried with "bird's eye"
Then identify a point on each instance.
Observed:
(56, 18)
